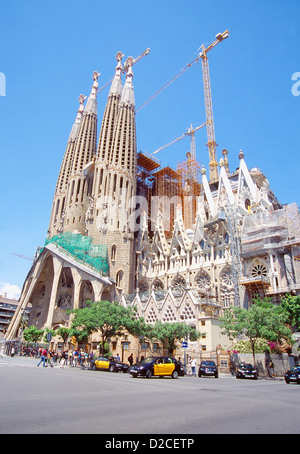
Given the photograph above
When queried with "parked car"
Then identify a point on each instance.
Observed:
(208, 369)
(245, 370)
(293, 375)
(157, 366)
(110, 364)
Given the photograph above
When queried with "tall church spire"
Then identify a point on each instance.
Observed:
(110, 113)
(107, 130)
(124, 147)
(58, 206)
(115, 174)
(80, 184)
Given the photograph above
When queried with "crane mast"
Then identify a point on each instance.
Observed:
(211, 142)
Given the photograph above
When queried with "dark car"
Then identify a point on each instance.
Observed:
(245, 370)
(293, 375)
(208, 369)
(157, 366)
(110, 364)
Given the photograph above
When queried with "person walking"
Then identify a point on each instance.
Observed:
(193, 366)
(130, 359)
(272, 369)
(43, 358)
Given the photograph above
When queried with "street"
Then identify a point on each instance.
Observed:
(37, 400)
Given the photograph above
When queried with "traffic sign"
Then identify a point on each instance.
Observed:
(184, 345)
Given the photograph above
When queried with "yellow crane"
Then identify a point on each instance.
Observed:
(211, 142)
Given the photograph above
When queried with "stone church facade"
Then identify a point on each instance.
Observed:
(170, 242)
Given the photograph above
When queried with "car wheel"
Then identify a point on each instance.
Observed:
(199, 375)
(94, 367)
(111, 369)
(287, 380)
(149, 373)
(174, 374)
(216, 376)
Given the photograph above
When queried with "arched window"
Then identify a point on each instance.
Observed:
(113, 252)
(119, 277)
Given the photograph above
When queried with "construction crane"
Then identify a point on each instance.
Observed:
(190, 132)
(170, 81)
(130, 60)
(211, 142)
(23, 256)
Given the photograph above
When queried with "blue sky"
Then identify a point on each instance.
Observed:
(49, 50)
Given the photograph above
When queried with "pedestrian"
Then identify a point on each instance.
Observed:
(117, 357)
(75, 358)
(130, 359)
(63, 360)
(193, 366)
(271, 369)
(43, 358)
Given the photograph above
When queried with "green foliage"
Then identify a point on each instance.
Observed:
(244, 346)
(263, 320)
(171, 333)
(290, 306)
(46, 331)
(32, 334)
(63, 332)
(111, 319)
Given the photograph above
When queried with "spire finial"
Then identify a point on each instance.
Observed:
(76, 124)
(116, 86)
(91, 105)
(128, 92)
(241, 155)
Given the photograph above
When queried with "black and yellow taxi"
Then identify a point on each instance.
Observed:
(157, 367)
(110, 364)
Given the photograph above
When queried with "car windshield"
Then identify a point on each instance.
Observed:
(296, 368)
(148, 360)
(208, 363)
(246, 366)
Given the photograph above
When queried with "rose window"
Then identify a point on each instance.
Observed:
(259, 270)
(202, 281)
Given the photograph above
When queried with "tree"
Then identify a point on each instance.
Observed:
(171, 333)
(290, 306)
(32, 334)
(64, 333)
(111, 319)
(262, 320)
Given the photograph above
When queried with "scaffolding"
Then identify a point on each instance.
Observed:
(270, 230)
(83, 250)
(166, 187)
(189, 189)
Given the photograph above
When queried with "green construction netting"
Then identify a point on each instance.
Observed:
(81, 247)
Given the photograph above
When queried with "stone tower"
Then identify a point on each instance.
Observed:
(114, 186)
(59, 200)
(81, 179)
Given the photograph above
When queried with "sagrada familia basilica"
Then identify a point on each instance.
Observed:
(177, 244)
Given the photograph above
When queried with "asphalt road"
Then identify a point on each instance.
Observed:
(37, 400)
